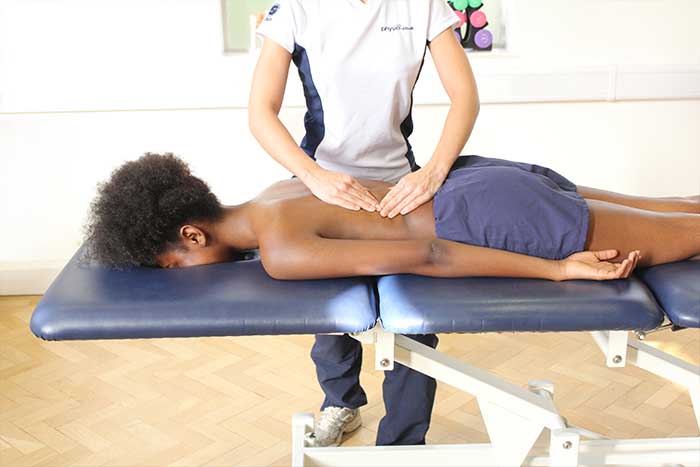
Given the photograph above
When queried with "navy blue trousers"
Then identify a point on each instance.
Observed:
(408, 394)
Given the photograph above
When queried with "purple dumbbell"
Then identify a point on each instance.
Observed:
(483, 39)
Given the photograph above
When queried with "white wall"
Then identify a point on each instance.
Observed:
(606, 31)
(85, 85)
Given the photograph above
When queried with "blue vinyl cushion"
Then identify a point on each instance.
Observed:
(87, 301)
(677, 289)
(411, 304)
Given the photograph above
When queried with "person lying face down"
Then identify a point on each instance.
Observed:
(491, 217)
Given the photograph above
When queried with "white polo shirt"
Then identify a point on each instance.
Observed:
(358, 63)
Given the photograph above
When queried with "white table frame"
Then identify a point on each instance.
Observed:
(514, 417)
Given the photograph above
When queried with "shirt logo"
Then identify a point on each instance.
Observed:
(273, 9)
(397, 27)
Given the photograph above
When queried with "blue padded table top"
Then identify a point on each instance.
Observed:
(417, 305)
(87, 301)
(677, 289)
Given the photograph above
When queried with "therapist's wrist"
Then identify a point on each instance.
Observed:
(309, 172)
(437, 169)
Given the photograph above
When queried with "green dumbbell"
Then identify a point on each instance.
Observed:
(475, 3)
(460, 4)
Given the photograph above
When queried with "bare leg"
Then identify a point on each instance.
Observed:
(690, 204)
(660, 237)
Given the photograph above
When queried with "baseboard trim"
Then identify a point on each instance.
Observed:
(28, 278)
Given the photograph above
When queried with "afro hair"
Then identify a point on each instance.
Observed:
(137, 213)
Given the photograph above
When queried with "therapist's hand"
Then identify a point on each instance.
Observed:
(340, 189)
(411, 191)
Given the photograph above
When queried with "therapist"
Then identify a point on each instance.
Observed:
(358, 61)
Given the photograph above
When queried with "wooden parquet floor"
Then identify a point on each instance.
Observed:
(229, 401)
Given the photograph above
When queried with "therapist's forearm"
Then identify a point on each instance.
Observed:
(458, 127)
(274, 137)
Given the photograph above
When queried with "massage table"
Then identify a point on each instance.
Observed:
(87, 301)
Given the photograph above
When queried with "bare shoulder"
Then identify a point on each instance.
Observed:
(284, 189)
(281, 240)
(278, 220)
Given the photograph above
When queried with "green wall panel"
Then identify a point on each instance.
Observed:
(236, 14)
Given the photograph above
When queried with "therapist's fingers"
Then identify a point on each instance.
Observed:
(346, 188)
(363, 197)
(412, 201)
(343, 200)
(409, 205)
(415, 198)
(393, 198)
(389, 196)
(409, 198)
(342, 190)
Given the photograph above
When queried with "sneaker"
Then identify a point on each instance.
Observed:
(333, 422)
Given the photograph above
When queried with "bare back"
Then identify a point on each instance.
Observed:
(288, 206)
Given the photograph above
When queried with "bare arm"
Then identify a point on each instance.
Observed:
(458, 80)
(266, 95)
(313, 257)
